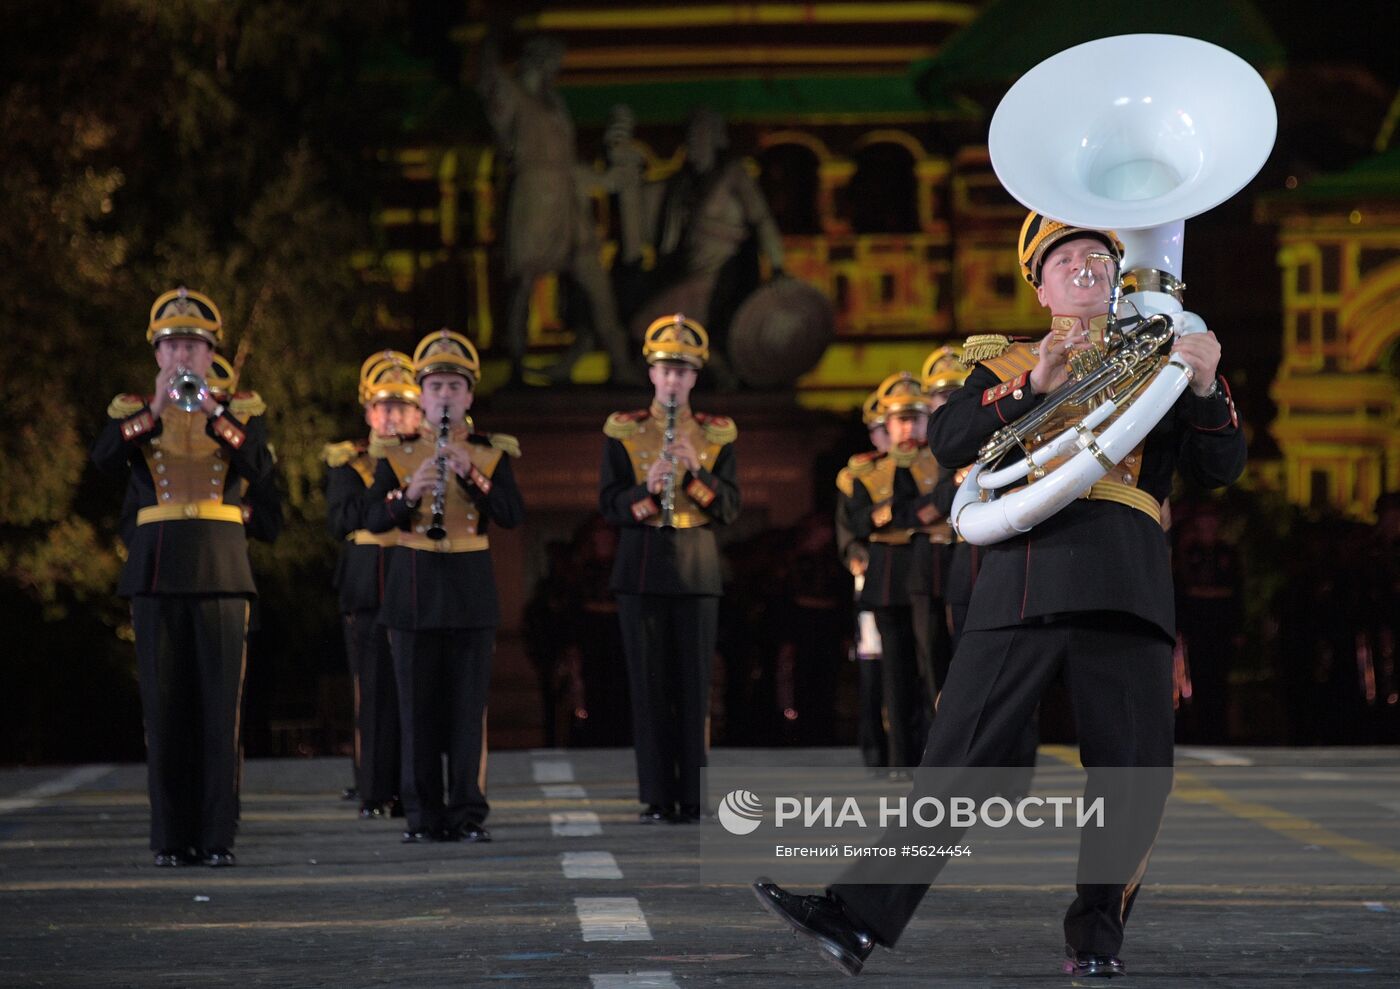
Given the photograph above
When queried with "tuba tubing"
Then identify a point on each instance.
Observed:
(1076, 437)
(985, 522)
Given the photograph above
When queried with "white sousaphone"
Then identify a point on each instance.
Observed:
(1132, 134)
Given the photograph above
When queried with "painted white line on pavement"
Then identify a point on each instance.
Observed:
(574, 823)
(70, 780)
(564, 791)
(611, 918)
(635, 980)
(590, 865)
(553, 771)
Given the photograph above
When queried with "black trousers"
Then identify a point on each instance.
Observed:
(443, 678)
(1119, 673)
(905, 718)
(933, 645)
(870, 729)
(670, 645)
(376, 707)
(191, 654)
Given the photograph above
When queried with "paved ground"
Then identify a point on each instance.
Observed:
(573, 893)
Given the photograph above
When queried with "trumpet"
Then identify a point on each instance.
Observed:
(436, 530)
(668, 490)
(187, 389)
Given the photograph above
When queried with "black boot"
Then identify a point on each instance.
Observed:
(1088, 965)
(822, 919)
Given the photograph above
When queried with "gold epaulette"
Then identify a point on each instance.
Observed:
(622, 425)
(340, 454)
(864, 463)
(247, 404)
(984, 346)
(1019, 358)
(506, 443)
(380, 446)
(125, 406)
(846, 482)
(718, 429)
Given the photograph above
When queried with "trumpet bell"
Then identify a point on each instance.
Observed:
(188, 390)
(1133, 132)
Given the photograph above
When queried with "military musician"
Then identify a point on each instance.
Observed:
(442, 488)
(191, 460)
(667, 482)
(390, 397)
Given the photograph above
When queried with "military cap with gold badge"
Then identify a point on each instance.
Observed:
(184, 313)
(446, 352)
(389, 376)
(676, 339)
(1040, 234)
(943, 370)
(901, 394)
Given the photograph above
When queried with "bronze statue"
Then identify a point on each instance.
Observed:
(701, 219)
(549, 225)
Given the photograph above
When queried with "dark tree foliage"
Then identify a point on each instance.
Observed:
(145, 144)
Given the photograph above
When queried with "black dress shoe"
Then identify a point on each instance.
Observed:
(688, 814)
(822, 919)
(350, 793)
(218, 858)
(173, 858)
(655, 814)
(472, 833)
(420, 837)
(1088, 965)
(370, 809)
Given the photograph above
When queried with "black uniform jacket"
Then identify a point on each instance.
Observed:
(931, 555)
(848, 547)
(424, 589)
(360, 568)
(190, 555)
(1093, 555)
(896, 572)
(655, 560)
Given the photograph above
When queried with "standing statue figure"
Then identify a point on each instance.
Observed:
(701, 220)
(549, 225)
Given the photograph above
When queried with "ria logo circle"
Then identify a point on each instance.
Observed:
(741, 812)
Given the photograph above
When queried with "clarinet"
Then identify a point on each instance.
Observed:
(668, 491)
(436, 531)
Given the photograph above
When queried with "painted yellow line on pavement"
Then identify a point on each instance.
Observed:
(1191, 788)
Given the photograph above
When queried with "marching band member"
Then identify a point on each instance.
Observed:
(898, 502)
(442, 488)
(668, 480)
(390, 397)
(190, 461)
(1086, 595)
(855, 557)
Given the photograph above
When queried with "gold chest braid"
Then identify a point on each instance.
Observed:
(188, 467)
(644, 445)
(459, 515)
(878, 481)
